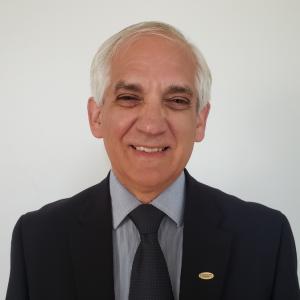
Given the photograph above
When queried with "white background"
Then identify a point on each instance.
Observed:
(252, 144)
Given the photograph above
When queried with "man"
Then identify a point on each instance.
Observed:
(150, 104)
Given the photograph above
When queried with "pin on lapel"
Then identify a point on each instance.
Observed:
(206, 275)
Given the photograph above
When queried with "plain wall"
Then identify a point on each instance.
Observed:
(252, 143)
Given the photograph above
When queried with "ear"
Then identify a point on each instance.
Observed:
(94, 112)
(201, 123)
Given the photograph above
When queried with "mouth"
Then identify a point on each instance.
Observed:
(148, 149)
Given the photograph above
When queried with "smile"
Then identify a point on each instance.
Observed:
(149, 149)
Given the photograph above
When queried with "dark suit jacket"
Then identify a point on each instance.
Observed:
(64, 250)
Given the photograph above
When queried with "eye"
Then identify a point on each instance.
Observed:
(178, 103)
(127, 100)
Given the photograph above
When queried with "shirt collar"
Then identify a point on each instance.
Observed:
(170, 201)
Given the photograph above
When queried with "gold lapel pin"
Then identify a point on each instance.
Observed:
(206, 275)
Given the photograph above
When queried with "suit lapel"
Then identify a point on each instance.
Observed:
(91, 246)
(206, 247)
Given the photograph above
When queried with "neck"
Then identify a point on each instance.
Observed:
(145, 193)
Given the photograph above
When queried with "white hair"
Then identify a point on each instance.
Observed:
(101, 64)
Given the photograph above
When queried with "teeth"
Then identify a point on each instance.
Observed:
(149, 150)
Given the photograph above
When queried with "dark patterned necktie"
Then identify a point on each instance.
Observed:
(149, 276)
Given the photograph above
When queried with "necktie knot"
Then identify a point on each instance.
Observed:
(146, 218)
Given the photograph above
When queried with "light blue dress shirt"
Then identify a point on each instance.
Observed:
(126, 237)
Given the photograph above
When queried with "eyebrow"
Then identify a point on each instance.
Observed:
(181, 89)
(172, 89)
(133, 87)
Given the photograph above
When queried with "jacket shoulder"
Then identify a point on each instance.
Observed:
(237, 214)
(65, 211)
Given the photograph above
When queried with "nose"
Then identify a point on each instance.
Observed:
(152, 119)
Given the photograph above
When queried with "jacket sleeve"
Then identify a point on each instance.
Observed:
(286, 285)
(17, 285)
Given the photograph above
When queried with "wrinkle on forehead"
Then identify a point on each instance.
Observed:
(158, 43)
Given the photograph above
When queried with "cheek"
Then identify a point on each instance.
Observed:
(116, 124)
(184, 129)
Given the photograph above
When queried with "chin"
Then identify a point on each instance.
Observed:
(153, 179)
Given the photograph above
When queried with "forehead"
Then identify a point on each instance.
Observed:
(154, 59)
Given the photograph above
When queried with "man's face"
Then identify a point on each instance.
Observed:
(148, 120)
